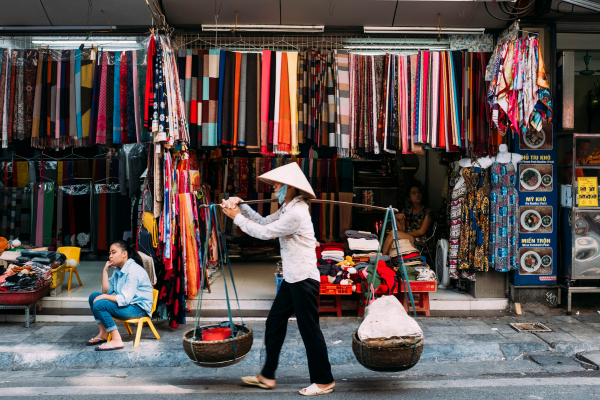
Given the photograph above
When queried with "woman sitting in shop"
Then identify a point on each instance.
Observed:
(299, 290)
(413, 223)
(126, 294)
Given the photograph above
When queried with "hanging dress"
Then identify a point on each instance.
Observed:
(504, 201)
(475, 222)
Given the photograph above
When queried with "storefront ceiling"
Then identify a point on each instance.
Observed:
(193, 13)
(334, 14)
(344, 13)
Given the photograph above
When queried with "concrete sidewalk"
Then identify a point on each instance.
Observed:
(447, 340)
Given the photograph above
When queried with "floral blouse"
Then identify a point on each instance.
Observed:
(413, 222)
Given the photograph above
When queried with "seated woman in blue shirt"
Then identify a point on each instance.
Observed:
(126, 294)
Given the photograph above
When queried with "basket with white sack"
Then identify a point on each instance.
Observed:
(388, 340)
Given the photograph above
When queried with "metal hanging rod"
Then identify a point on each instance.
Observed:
(332, 202)
(293, 43)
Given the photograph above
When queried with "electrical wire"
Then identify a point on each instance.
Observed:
(557, 10)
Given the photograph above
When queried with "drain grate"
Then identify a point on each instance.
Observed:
(530, 327)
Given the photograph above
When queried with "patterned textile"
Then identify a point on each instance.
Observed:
(30, 76)
(124, 95)
(504, 217)
(343, 109)
(244, 175)
(131, 117)
(474, 235)
(455, 227)
(116, 122)
(210, 98)
(413, 221)
(101, 130)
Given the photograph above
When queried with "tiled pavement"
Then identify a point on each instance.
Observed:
(62, 345)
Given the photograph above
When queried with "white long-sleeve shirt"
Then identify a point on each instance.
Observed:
(294, 228)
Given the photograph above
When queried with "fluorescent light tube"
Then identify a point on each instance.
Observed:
(56, 28)
(76, 42)
(431, 30)
(255, 28)
(590, 5)
(394, 47)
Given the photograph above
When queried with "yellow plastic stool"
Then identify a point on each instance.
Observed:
(71, 253)
(140, 323)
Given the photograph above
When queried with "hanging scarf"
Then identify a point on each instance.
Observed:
(37, 103)
(211, 95)
(101, 125)
(228, 101)
(284, 134)
(3, 96)
(272, 85)
(242, 107)
(253, 100)
(132, 135)
(264, 100)
(87, 79)
(276, 110)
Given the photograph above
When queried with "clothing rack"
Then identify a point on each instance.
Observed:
(293, 43)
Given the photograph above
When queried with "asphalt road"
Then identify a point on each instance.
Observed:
(477, 381)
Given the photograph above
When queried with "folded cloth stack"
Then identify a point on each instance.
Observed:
(360, 235)
(321, 247)
(335, 255)
(363, 244)
(405, 248)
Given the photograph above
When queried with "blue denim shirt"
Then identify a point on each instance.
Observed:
(132, 286)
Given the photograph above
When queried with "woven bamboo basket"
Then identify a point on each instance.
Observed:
(218, 353)
(386, 355)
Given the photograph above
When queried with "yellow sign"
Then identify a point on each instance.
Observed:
(587, 191)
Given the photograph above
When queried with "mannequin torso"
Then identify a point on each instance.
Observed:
(483, 162)
(504, 156)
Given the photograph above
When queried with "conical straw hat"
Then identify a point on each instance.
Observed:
(290, 175)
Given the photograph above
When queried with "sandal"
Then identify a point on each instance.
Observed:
(99, 341)
(108, 347)
(314, 390)
(253, 380)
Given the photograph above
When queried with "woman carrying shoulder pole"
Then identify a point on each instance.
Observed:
(299, 291)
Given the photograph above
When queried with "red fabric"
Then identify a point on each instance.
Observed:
(123, 97)
(324, 279)
(149, 95)
(386, 274)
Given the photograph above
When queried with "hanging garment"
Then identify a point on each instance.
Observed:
(264, 99)
(228, 100)
(253, 102)
(504, 218)
(284, 139)
(210, 99)
(456, 204)
(474, 237)
(242, 108)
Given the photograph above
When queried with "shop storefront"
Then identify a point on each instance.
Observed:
(134, 141)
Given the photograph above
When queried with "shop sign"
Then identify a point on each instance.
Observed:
(538, 207)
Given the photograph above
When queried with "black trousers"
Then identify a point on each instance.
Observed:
(301, 298)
